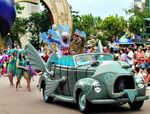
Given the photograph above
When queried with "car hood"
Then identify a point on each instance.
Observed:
(116, 67)
(111, 72)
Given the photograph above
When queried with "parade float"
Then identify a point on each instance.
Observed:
(87, 79)
(83, 79)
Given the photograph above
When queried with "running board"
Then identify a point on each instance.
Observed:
(64, 98)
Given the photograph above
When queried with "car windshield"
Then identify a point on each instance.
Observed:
(88, 59)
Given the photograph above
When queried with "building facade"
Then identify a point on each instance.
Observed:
(26, 12)
(28, 9)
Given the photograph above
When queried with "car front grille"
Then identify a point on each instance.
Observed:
(122, 83)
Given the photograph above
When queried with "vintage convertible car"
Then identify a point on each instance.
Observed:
(90, 79)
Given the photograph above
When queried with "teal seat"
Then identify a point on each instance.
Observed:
(53, 59)
(66, 61)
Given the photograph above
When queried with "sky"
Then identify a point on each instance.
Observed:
(102, 8)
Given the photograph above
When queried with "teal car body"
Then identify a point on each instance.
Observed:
(93, 79)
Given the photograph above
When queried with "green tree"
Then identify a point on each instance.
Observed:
(112, 25)
(136, 21)
(19, 29)
(87, 23)
(102, 29)
(38, 22)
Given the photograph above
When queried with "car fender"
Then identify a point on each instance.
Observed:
(84, 85)
(42, 80)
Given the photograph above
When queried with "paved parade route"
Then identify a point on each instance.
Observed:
(24, 102)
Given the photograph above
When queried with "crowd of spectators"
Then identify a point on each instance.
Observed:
(138, 56)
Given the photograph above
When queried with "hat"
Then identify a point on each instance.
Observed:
(9, 52)
(65, 34)
(12, 51)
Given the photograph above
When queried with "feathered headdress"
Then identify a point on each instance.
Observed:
(44, 37)
(81, 33)
(63, 28)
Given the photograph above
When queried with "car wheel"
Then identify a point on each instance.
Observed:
(47, 99)
(136, 105)
(83, 103)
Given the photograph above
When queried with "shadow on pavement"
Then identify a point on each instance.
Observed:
(96, 109)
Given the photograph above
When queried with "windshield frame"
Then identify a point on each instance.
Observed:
(92, 60)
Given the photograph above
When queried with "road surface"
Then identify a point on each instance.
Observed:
(24, 102)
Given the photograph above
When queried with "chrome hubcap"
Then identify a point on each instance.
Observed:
(82, 101)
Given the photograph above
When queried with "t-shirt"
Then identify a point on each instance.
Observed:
(123, 57)
(147, 54)
(130, 57)
(140, 57)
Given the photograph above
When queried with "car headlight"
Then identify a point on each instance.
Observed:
(97, 87)
(139, 82)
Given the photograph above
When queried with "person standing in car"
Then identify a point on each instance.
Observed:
(77, 44)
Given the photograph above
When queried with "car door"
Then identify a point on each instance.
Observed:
(56, 69)
(72, 79)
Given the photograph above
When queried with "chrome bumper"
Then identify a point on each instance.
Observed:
(117, 101)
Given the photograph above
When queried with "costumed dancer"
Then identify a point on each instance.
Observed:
(4, 63)
(11, 68)
(32, 72)
(22, 70)
(4, 67)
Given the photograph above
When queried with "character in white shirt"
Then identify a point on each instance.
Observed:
(130, 55)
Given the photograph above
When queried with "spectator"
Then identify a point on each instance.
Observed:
(130, 55)
(140, 58)
(147, 56)
(123, 56)
(105, 50)
(147, 78)
(45, 56)
(137, 72)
